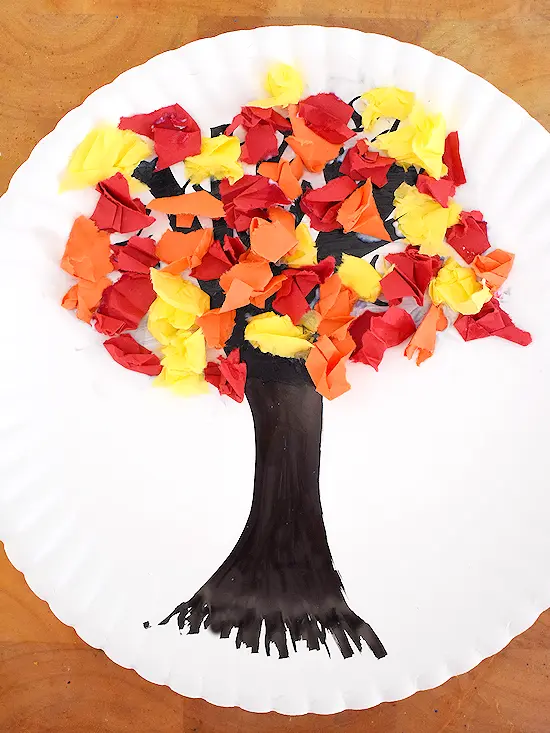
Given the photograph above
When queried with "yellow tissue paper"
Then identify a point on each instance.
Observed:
(386, 102)
(360, 276)
(159, 321)
(458, 287)
(423, 221)
(305, 252)
(284, 86)
(105, 150)
(181, 294)
(277, 335)
(218, 159)
(420, 140)
(186, 352)
(186, 384)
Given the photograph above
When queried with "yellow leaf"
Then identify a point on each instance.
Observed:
(423, 221)
(181, 294)
(277, 335)
(218, 159)
(186, 352)
(386, 102)
(284, 86)
(105, 150)
(181, 383)
(419, 140)
(360, 276)
(458, 287)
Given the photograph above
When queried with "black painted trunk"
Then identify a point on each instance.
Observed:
(280, 572)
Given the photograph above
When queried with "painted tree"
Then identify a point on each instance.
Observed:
(273, 273)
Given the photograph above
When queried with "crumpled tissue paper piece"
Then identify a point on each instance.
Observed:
(137, 255)
(423, 221)
(249, 198)
(284, 86)
(277, 335)
(469, 236)
(409, 276)
(105, 151)
(359, 213)
(423, 341)
(116, 210)
(361, 164)
(124, 303)
(126, 351)
(458, 287)
(373, 333)
(326, 364)
(386, 102)
(491, 321)
(218, 158)
(228, 375)
(494, 267)
(323, 204)
(361, 277)
(174, 132)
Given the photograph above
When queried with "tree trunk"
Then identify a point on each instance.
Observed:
(280, 572)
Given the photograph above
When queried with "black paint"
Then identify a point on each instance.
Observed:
(383, 197)
(162, 183)
(336, 243)
(280, 577)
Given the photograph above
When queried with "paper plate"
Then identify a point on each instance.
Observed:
(118, 500)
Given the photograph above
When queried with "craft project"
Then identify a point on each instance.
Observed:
(265, 286)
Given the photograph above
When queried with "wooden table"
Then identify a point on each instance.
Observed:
(53, 53)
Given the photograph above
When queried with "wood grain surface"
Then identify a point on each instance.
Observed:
(53, 53)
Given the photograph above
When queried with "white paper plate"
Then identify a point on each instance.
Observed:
(118, 500)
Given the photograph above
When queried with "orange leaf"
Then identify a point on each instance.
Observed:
(183, 251)
(286, 174)
(198, 203)
(270, 240)
(217, 327)
(424, 339)
(258, 298)
(334, 306)
(184, 220)
(283, 216)
(314, 151)
(494, 267)
(359, 213)
(237, 295)
(326, 364)
(85, 297)
(87, 252)
(249, 278)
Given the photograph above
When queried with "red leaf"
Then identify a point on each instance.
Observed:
(175, 133)
(322, 204)
(439, 189)
(361, 163)
(491, 321)
(228, 376)
(137, 255)
(249, 197)
(124, 304)
(328, 116)
(260, 126)
(451, 158)
(116, 210)
(126, 351)
(373, 333)
(469, 236)
(219, 258)
(410, 276)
